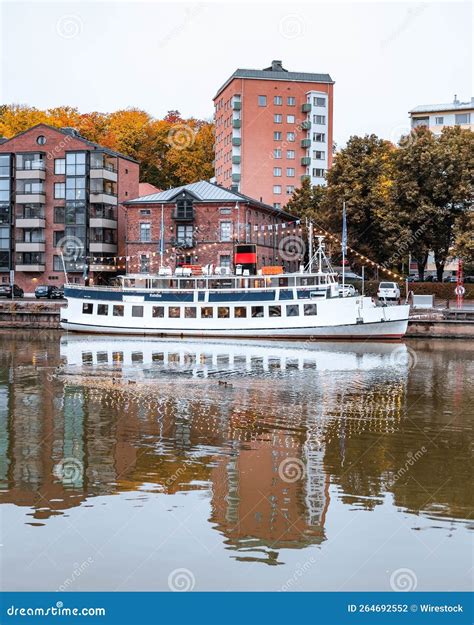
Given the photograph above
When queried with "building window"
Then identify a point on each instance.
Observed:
(158, 312)
(277, 171)
(41, 140)
(290, 119)
(59, 190)
(277, 136)
(59, 166)
(277, 153)
(276, 189)
(291, 101)
(75, 188)
(145, 232)
(319, 154)
(439, 121)
(225, 210)
(290, 154)
(462, 118)
(117, 310)
(290, 136)
(319, 119)
(318, 173)
(290, 189)
(137, 311)
(262, 100)
(277, 118)
(76, 164)
(57, 236)
(225, 230)
(319, 137)
(87, 309)
(290, 172)
(319, 101)
(224, 260)
(184, 235)
(277, 205)
(145, 211)
(144, 263)
(278, 100)
(103, 309)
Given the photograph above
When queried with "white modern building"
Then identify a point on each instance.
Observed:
(437, 116)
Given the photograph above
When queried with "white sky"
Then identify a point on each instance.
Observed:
(386, 57)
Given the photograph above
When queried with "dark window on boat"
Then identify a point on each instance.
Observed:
(137, 311)
(158, 311)
(240, 311)
(282, 281)
(87, 309)
(207, 312)
(189, 312)
(102, 357)
(292, 310)
(117, 356)
(310, 309)
(117, 310)
(257, 311)
(258, 283)
(223, 312)
(87, 358)
(157, 357)
(307, 281)
(275, 311)
(103, 309)
(137, 356)
(174, 312)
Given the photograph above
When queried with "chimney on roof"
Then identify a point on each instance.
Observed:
(456, 101)
(276, 66)
(71, 131)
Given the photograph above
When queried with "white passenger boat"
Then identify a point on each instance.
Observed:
(289, 305)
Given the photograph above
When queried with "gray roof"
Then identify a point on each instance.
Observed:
(276, 74)
(451, 106)
(203, 191)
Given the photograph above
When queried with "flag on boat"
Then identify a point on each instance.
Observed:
(344, 229)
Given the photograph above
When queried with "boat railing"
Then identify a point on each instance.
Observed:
(127, 289)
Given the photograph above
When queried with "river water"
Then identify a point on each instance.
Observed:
(150, 464)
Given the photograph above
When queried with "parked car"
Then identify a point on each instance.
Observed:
(388, 291)
(48, 291)
(413, 279)
(348, 290)
(6, 290)
(469, 279)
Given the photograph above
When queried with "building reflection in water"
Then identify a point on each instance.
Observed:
(166, 416)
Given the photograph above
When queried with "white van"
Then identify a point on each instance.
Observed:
(388, 291)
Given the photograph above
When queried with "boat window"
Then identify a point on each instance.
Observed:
(223, 312)
(186, 284)
(102, 357)
(157, 357)
(258, 283)
(200, 284)
(292, 310)
(307, 281)
(137, 311)
(257, 311)
(158, 311)
(282, 281)
(117, 356)
(207, 312)
(240, 311)
(137, 356)
(190, 312)
(103, 309)
(310, 309)
(87, 309)
(275, 311)
(174, 312)
(117, 310)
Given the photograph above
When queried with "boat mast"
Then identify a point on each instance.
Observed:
(310, 235)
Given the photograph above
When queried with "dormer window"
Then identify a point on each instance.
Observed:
(184, 208)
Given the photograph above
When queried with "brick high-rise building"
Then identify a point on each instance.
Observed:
(61, 194)
(273, 129)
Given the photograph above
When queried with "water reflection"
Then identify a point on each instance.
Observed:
(87, 417)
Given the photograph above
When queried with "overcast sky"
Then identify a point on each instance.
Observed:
(386, 57)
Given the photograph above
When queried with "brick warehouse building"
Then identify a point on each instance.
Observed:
(60, 192)
(202, 223)
(273, 128)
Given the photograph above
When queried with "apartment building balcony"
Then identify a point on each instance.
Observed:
(305, 143)
(30, 198)
(306, 125)
(236, 123)
(237, 105)
(306, 160)
(237, 141)
(31, 268)
(306, 107)
(102, 222)
(183, 215)
(30, 174)
(104, 173)
(102, 248)
(30, 222)
(235, 177)
(236, 160)
(30, 246)
(305, 177)
(103, 197)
